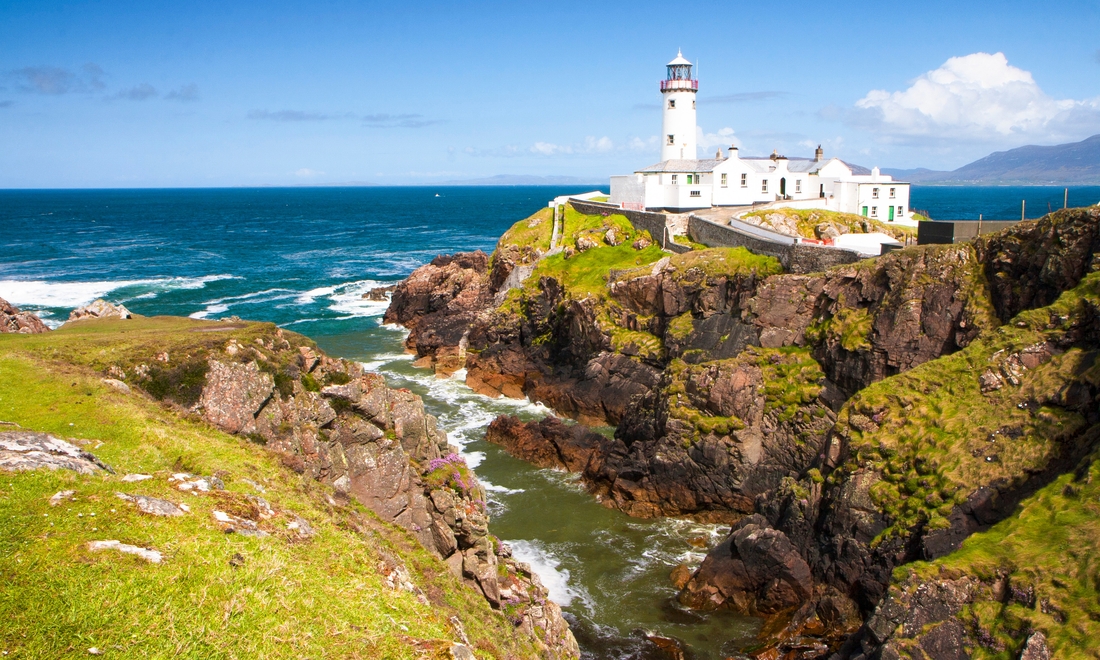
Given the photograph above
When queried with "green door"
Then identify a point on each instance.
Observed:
(865, 211)
(891, 213)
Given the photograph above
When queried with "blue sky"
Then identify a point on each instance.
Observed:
(115, 94)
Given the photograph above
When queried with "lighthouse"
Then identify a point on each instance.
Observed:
(678, 93)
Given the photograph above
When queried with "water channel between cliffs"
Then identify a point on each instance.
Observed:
(608, 571)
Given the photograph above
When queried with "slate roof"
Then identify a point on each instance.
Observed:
(683, 165)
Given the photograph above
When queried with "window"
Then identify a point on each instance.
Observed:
(798, 185)
(724, 180)
(874, 193)
(671, 104)
(874, 211)
(744, 180)
(674, 179)
(764, 186)
(893, 193)
(672, 139)
(901, 211)
(692, 104)
(696, 193)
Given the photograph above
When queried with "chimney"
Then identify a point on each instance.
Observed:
(718, 154)
(819, 154)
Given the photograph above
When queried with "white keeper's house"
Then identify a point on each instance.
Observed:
(682, 182)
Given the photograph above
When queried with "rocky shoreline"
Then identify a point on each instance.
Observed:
(805, 409)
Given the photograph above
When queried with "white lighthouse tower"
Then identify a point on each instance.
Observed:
(678, 92)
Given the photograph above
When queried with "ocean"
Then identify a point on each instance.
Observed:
(304, 257)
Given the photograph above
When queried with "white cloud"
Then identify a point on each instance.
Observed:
(599, 145)
(590, 145)
(723, 138)
(549, 149)
(978, 97)
(307, 173)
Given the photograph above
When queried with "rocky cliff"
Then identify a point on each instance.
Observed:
(869, 416)
(331, 421)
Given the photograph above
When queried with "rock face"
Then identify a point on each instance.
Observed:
(28, 450)
(13, 320)
(100, 309)
(737, 394)
(342, 426)
(756, 570)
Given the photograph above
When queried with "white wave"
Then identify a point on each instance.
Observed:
(221, 305)
(308, 297)
(503, 490)
(348, 299)
(210, 309)
(548, 568)
(44, 293)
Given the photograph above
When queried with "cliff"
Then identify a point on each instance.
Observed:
(850, 421)
(335, 487)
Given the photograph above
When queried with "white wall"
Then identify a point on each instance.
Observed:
(678, 122)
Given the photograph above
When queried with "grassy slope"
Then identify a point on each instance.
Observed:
(935, 437)
(322, 597)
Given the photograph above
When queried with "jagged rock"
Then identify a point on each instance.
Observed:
(28, 450)
(1035, 648)
(585, 243)
(13, 320)
(61, 496)
(379, 293)
(117, 384)
(130, 478)
(234, 394)
(641, 243)
(756, 570)
(613, 237)
(546, 443)
(100, 309)
(151, 556)
(151, 505)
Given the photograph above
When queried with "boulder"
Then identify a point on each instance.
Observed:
(234, 394)
(13, 320)
(756, 570)
(28, 450)
(100, 309)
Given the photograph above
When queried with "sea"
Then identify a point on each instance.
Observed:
(303, 258)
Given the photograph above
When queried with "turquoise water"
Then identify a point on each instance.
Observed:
(302, 258)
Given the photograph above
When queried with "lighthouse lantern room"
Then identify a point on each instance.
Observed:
(678, 92)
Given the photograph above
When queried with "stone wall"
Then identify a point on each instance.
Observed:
(796, 258)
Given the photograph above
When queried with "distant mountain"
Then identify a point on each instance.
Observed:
(1077, 163)
(526, 180)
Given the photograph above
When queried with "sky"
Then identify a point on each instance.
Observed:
(182, 94)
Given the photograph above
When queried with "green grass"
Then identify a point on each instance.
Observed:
(1049, 546)
(321, 597)
(934, 437)
(534, 231)
(586, 273)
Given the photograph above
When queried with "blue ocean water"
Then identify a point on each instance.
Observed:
(997, 202)
(303, 257)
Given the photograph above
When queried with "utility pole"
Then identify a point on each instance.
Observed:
(1023, 210)
(979, 224)
(1065, 200)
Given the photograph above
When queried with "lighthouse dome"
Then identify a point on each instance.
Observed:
(679, 60)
